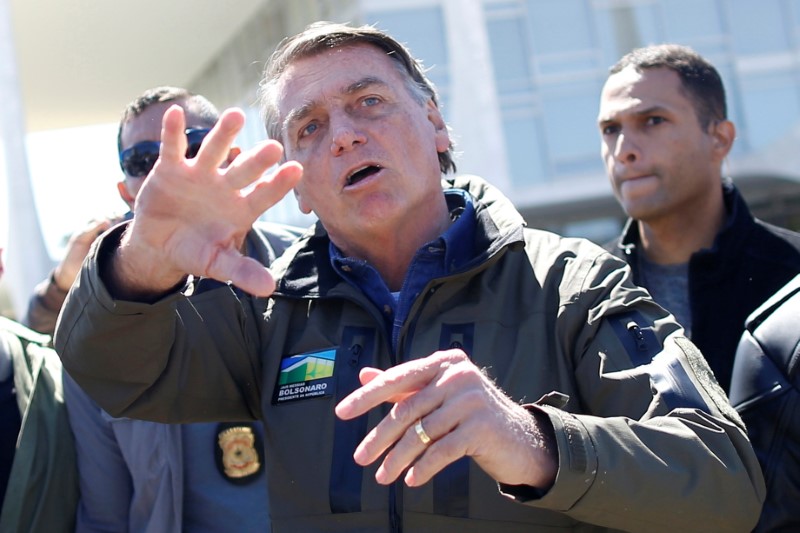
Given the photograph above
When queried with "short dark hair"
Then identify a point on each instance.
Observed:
(321, 36)
(699, 79)
(198, 105)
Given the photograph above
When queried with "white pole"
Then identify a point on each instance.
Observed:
(26, 258)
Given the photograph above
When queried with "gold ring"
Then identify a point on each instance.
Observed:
(421, 432)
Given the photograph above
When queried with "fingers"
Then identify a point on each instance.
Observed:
(367, 374)
(398, 425)
(269, 190)
(244, 272)
(428, 389)
(251, 164)
(217, 145)
(173, 137)
(396, 383)
(447, 408)
(425, 459)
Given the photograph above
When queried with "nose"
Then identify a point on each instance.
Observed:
(346, 136)
(626, 149)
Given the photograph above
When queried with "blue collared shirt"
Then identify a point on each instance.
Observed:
(437, 258)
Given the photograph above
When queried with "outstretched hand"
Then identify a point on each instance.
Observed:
(192, 215)
(447, 399)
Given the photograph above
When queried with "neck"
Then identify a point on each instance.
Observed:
(674, 239)
(391, 250)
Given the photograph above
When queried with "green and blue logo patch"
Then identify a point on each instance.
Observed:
(307, 375)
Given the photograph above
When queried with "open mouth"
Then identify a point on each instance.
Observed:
(362, 173)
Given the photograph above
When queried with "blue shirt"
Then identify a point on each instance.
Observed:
(437, 258)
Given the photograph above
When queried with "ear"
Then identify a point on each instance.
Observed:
(723, 133)
(125, 194)
(442, 134)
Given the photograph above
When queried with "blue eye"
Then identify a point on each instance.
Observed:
(308, 130)
(370, 101)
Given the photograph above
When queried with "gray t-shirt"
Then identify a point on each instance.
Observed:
(669, 286)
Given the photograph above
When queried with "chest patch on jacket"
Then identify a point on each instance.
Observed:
(306, 375)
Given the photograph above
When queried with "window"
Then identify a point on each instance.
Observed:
(422, 31)
(771, 107)
(757, 26)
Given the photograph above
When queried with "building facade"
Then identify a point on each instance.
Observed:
(520, 80)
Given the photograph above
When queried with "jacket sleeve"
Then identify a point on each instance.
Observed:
(649, 433)
(42, 491)
(105, 483)
(138, 360)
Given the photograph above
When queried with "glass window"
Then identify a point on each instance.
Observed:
(523, 147)
(563, 36)
(423, 32)
(771, 107)
(509, 54)
(570, 120)
(747, 15)
(733, 101)
(622, 28)
(686, 21)
(559, 26)
(794, 5)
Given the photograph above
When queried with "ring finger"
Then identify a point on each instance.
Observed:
(410, 448)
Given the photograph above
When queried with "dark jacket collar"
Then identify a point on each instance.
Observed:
(305, 270)
(738, 222)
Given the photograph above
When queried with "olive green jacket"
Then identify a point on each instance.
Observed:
(647, 441)
(42, 492)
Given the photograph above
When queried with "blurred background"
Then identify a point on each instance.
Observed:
(519, 82)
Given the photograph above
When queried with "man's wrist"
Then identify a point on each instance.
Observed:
(124, 277)
(56, 280)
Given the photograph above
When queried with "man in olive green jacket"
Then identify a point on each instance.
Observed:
(423, 361)
(41, 491)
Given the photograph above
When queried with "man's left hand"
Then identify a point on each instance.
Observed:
(461, 411)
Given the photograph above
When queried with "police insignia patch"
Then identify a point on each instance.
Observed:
(238, 452)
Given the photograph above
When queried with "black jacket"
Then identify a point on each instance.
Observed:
(749, 261)
(766, 392)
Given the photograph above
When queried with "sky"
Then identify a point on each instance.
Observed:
(73, 173)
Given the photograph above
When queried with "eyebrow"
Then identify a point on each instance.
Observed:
(299, 113)
(639, 112)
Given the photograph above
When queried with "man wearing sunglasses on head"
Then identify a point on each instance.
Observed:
(146, 476)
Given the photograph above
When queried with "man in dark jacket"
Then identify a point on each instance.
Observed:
(765, 389)
(691, 240)
(392, 353)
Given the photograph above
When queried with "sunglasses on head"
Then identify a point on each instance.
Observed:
(138, 160)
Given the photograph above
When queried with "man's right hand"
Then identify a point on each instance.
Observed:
(77, 248)
(192, 216)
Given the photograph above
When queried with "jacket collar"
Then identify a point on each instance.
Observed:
(737, 223)
(304, 271)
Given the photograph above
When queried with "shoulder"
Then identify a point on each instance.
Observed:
(787, 300)
(26, 335)
(268, 240)
(278, 235)
(577, 263)
(552, 244)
